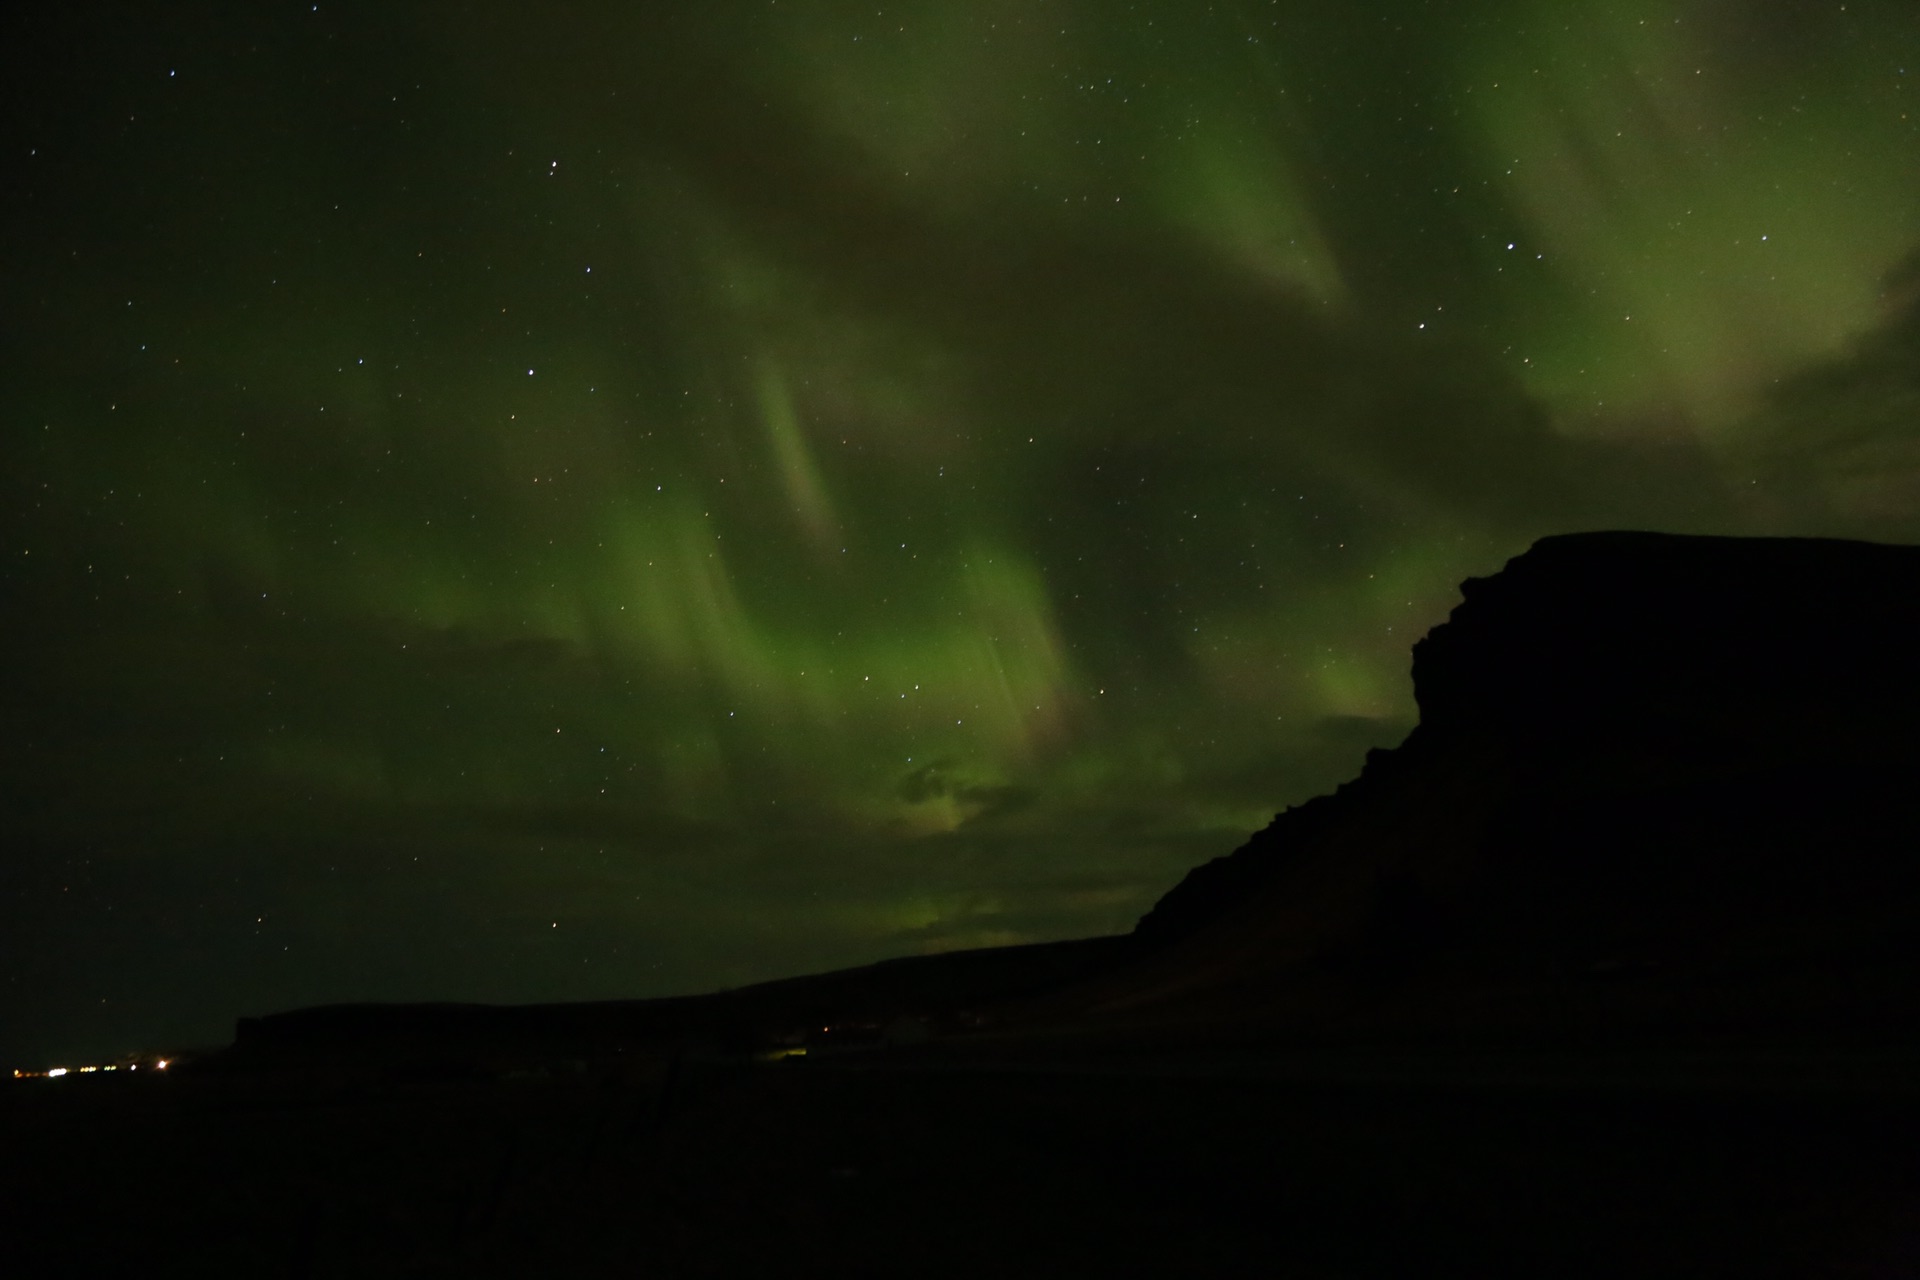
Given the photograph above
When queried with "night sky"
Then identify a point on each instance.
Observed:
(632, 499)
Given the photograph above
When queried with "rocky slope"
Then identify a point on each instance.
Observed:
(1660, 783)
(1663, 789)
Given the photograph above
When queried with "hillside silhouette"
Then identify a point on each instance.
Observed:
(1661, 790)
(1661, 786)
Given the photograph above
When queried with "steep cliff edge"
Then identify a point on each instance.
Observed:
(1657, 780)
(1664, 790)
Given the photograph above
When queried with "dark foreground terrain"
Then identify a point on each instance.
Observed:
(1610, 969)
(883, 1165)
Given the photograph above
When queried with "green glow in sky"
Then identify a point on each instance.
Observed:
(541, 507)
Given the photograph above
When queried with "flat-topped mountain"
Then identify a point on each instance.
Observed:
(1663, 788)
(1660, 784)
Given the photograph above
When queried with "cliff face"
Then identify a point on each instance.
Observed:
(1664, 788)
(1656, 778)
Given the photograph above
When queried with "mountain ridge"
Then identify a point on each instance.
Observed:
(1638, 754)
(1659, 787)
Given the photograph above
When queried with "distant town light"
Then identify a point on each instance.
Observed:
(53, 1073)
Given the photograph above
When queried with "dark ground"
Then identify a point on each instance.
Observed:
(910, 1168)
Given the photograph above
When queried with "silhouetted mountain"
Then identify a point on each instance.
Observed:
(1662, 787)
(1659, 783)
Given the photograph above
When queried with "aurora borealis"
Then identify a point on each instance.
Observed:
(633, 500)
